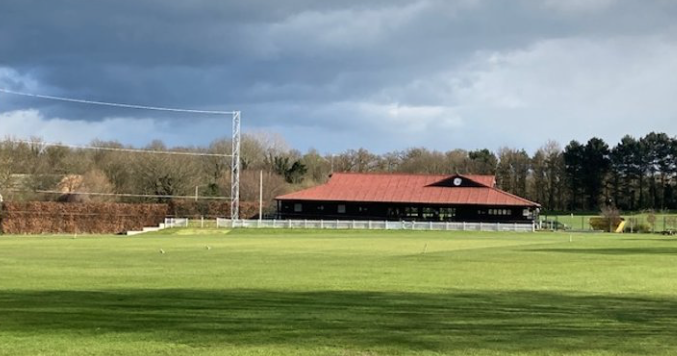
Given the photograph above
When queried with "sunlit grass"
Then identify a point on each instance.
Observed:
(299, 292)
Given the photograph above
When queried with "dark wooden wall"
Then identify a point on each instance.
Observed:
(315, 210)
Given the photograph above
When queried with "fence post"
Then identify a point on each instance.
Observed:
(305, 223)
(446, 226)
(289, 221)
(353, 224)
(481, 226)
(431, 225)
(498, 226)
(369, 224)
(321, 224)
(464, 226)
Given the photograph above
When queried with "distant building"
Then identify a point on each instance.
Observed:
(409, 197)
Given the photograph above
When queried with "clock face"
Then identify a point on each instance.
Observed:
(458, 181)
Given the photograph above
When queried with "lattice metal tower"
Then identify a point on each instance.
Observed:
(235, 169)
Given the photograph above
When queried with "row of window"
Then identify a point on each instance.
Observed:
(495, 212)
(500, 212)
(413, 212)
(341, 208)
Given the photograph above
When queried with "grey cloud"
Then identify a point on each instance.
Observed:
(336, 68)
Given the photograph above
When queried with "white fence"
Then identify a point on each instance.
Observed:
(176, 222)
(374, 225)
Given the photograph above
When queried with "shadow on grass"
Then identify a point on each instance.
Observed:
(454, 321)
(613, 251)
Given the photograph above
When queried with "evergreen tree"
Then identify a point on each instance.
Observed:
(574, 155)
(596, 165)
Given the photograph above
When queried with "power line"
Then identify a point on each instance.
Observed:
(236, 116)
(118, 105)
(121, 195)
(115, 149)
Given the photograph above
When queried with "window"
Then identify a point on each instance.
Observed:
(298, 208)
(411, 212)
(341, 209)
(447, 214)
(500, 212)
(431, 214)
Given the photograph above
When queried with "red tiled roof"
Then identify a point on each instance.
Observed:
(408, 188)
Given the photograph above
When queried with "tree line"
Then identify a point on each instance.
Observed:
(635, 174)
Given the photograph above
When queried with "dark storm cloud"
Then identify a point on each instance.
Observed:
(433, 68)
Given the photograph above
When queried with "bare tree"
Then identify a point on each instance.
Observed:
(6, 166)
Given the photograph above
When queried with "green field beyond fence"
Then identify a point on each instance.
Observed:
(308, 292)
(635, 222)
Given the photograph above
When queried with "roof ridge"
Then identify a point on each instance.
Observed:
(398, 174)
(469, 176)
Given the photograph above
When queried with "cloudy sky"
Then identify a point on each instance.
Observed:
(334, 75)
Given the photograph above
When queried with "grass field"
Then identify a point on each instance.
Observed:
(338, 293)
(663, 221)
